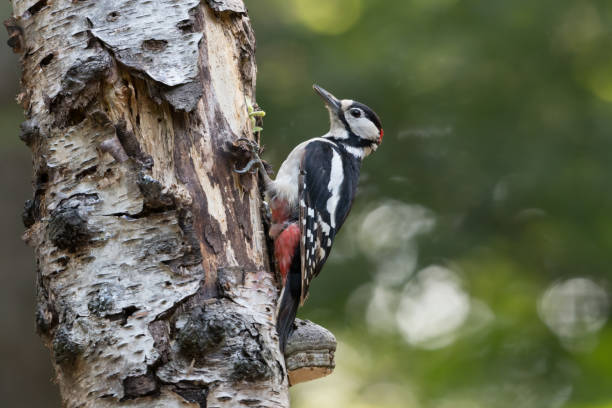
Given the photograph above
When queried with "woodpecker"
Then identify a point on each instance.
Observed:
(311, 197)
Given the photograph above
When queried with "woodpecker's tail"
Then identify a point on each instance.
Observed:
(290, 301)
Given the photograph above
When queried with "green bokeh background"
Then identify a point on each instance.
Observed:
(474, 270)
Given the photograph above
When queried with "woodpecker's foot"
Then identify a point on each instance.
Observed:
(252, 145)
(255, 151)
(248, 166)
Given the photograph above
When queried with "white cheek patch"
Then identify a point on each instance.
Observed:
(363, 127)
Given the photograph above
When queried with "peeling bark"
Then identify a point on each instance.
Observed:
(154, 283)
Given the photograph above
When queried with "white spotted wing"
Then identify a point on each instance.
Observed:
(325, 198)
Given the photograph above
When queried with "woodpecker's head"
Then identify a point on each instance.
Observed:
(352, 123)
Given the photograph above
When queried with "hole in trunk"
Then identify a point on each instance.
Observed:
(46, 61)
(37, 7)
(75, 116)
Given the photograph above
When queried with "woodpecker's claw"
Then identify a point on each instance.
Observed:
(248, 166)
(255, 148)
(255, 151)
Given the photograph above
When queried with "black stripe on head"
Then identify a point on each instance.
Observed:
(370, 114)
(354, 141)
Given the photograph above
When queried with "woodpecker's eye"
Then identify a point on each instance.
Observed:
(356, 113)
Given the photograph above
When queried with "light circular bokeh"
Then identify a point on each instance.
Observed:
(329, 17)
(432, 308)
(574, 308)
(391, 226)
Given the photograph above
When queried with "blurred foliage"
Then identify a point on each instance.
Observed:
(473, 271)
(495, 167)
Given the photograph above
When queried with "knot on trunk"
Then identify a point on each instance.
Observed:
(200, 334)
(68, 229)
(65, 347)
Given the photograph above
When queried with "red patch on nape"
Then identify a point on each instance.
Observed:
(285, 246)
(382, 133)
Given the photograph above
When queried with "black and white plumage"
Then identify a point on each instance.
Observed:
(327, 187)
(312, 196)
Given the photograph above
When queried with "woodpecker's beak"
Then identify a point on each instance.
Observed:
(330, 100)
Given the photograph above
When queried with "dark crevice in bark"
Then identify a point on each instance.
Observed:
(122, 317)
(32, 210)
(37, 7)
(86, 172)
(46, 60)
(142, 214)
(192, 392)
(141, 385)
(76, 116)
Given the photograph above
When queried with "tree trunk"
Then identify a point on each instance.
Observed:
(154, 283)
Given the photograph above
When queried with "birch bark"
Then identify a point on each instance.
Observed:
(154, 285)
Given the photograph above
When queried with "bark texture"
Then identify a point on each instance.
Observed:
(154, 285)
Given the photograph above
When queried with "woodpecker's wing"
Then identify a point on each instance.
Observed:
(326, 190)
